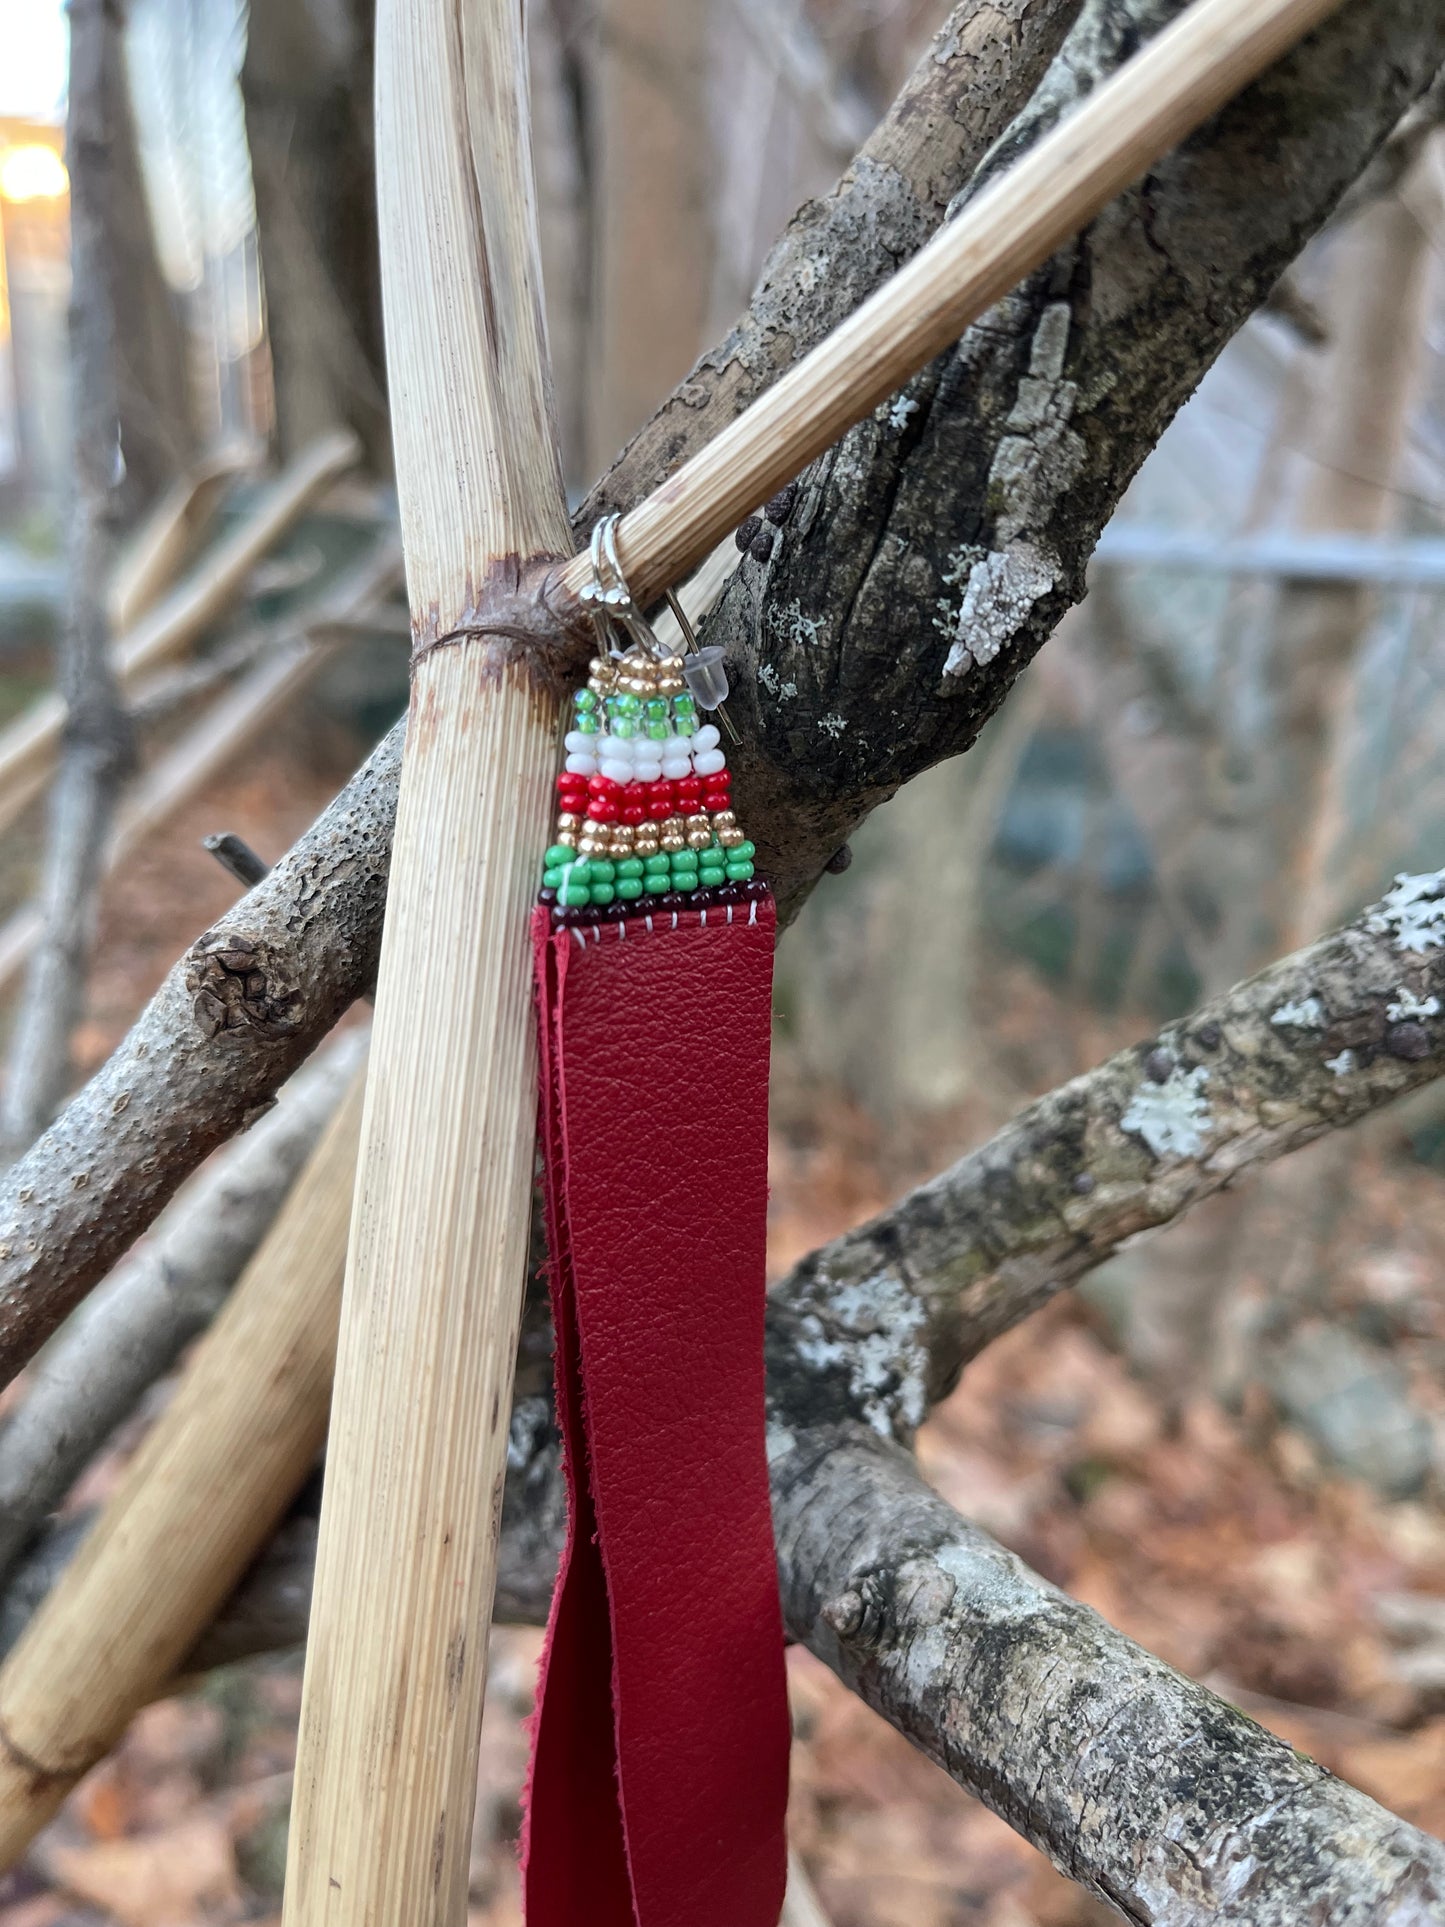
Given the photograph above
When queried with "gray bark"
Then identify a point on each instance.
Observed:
(1142, 1785)
(885, 1318)
(95, 744)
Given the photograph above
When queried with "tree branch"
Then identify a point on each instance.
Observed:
(933, 550)
(1135, 1781)
(95, 742)
(878, 1324)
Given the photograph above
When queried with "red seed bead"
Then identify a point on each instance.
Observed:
(717, 789)
(602, 809)
(570, 785)
(658, 808)
(688, 794)
(602, 786)
(633, 813)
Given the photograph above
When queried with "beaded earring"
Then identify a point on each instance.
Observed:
(660, 1751)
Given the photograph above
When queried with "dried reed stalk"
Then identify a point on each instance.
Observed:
(152, 558)
(210, 1482)
(28, 745)
(386, 1771)
(1187, 71)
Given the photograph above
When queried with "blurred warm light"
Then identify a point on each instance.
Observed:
(32, 173)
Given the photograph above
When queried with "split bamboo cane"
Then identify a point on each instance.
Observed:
(212, 1478)
(391, 1713)
(27, 746)
(1181, 77)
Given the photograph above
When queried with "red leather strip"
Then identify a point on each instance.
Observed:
(659, 1778)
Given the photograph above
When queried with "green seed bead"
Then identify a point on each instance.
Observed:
(655, 709)
(575, 897)
(657, 866)
(658, 732)
(625, 728)
(552, 879)
(740, 873)
(710, 878)
(601, 870)
(559, 853)
(630, 866)
(627, 704)
(629, 889)
(589, 725)
(741, 853)
(602, 893)
(582, 870)
(585, 699)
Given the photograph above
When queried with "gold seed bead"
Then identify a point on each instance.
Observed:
(674, 826)
(620, 832)
(699, 839)
(646, 846)
(672, 844)
(670, 685)
(699, 822)
(724, 820)
(569, 837)
(730, 838)
(567, 821)
(617, 851)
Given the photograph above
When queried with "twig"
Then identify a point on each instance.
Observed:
(95, 737)
(135, 1326)
(236, 857)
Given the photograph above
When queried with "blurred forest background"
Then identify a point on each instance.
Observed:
(1232, 1440)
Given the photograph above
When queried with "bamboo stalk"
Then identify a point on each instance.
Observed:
(27, 747)
(386, 1770)
(213, 1477)
(1184, 74)
(236, 718)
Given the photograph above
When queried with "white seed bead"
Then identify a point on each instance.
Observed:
(647, 772)
(710, 762)
(674, 768)
(579, 765)
(706, 738)
(617, 772)
(578, 744)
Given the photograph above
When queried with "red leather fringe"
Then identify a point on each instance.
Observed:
(660, 1753)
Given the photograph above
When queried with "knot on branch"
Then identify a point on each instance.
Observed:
(236, 984)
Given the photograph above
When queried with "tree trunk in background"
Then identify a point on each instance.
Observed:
(307, 88)
(157, 426)
(653, 178)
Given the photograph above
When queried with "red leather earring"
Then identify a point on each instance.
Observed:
(658, 1785)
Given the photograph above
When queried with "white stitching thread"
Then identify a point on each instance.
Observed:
(580, 935)
(753, 911)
